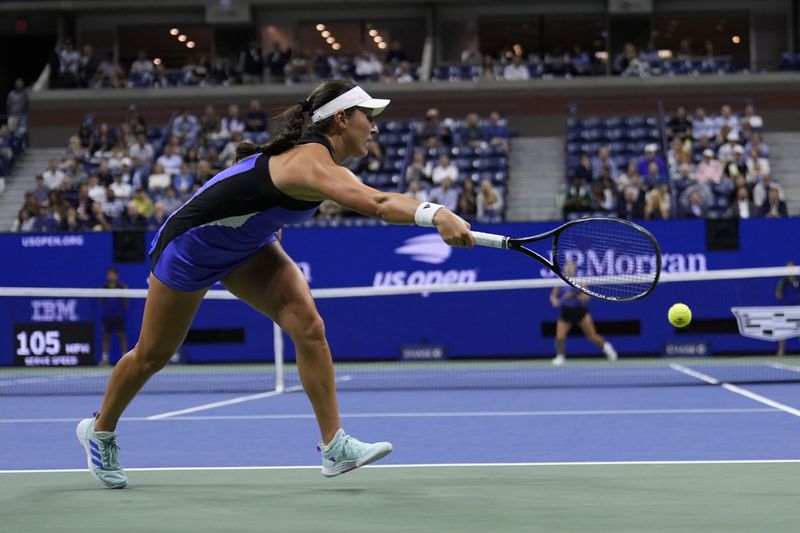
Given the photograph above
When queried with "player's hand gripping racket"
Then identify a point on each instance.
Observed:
(607, 258)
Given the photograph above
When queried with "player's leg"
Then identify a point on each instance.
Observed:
(272, 284)
(562, 329)
(167, 316)
(587, 325)
(168, 313)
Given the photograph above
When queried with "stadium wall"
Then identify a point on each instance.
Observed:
(515, 323)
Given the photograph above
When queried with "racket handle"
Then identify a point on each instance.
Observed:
(490, 239)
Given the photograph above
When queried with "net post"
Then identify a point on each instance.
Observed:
(278, 349)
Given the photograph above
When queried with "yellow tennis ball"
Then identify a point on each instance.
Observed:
(679, 315)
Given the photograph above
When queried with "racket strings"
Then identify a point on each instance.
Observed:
(608, 259)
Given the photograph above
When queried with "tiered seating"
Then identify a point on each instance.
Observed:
(625, 137)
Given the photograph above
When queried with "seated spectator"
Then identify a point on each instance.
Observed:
(726, 118)
(231, 122)
(158, 181)
(143, 203)
(75, 172)
(472, 134)
(228, 155)
(496, 132)
(57, 205)
(516, 70)
(489, 203)
(183, 180)
(709, 170)
(580, 63)
(185, 127)
(416, 169)
(330, 211)
(135, 120)
(142, 66)
(584, 169)
(203, 173)
(24, 221)
(158, 217)
(120, 188)
(403, 73)
(774, 206)
(726, 151)
(603, 159)
(757, 146)
(255, 123)
(684, 177)
(209, 122)
(83, 203)
(428, 131)
(445, 194)
(468, 201)
(368, 66)
(131, 218)
(737, 167)
(72, 223)
(109, 74)
(650, 156)
(44, 221)
(67, 192)
(629, 64)
(697, 207)
(702, 125)
(96, 190)
(141, 152)
(76, 151)
(442, 170)
(653, 176)
(603, 197)
(756, 167)
(743, 206)
(170, 161)
(631, 175)
(40, 190)
(488, 68)
(113, 206)
(171, 201)
(631, 204)
(760, 190)
(415, 190)
(372, 162)
(657, 203)
(53, 175)
(103, 140)
(679, 126)
(750, 117)
(578, 196)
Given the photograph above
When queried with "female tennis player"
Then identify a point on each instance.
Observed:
(575, 312)
(228, 232)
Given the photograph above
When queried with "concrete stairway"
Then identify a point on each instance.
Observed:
(537, 172)
(784, 162)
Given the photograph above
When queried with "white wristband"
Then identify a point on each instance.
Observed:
(425, 213)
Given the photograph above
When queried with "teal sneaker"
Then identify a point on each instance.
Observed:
(346, 453)
(101, 456)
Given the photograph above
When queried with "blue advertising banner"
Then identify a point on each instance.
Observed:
(475, 324)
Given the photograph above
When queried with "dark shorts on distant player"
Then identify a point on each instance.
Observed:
(113, 323)
(573, 314)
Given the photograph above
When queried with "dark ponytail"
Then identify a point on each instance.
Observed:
(295, 118)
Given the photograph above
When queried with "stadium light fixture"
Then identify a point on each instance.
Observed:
(190, 44)
(320, 27)
(736, 39)
(157, 61)
(336, 46)
(330, 40)
(373, 33)
(182, 38)
(174, 31)
(382, 46)
(326, 34)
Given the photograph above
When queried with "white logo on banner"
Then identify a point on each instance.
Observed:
(54, 310)
(429, 249)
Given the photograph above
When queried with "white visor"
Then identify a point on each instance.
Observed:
(352, 98)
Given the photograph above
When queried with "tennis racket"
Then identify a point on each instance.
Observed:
(607, 258)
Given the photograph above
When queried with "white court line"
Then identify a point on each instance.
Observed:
(441, 414)
(781, 366)
(233, 401)
(736, 390)
(425, 465)
(223, 403)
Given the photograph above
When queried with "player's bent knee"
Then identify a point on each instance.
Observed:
(151, 361)
(305, 325)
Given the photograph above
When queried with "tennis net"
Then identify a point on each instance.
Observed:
(496, 334)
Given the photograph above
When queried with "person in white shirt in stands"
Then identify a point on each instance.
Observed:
(159, 180)
(443, 169)
(53, 175)
(232, 122)
(416, 191)
(121, 189)
(726, 151)
(516, 70)
(702, 125)
(726, 118)
(142, 66)
(170, 160)
(445, 194)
